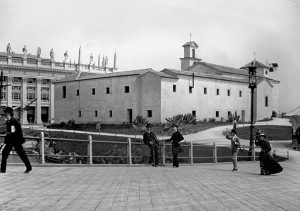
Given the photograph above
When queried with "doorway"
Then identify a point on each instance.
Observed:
(129, 116)
(45, 114)
(243, 115)
(30, 115)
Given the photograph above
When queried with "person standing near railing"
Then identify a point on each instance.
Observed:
(176, 138)
(235, 143)
(267, 164)
(150, 139)
(13, 139)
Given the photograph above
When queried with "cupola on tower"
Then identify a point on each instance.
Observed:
(189, 55)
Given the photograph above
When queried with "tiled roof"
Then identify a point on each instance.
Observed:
(255, 63)
(241, 79)
(222, 71)
(88, 76)
(215, 69)
(191, 43)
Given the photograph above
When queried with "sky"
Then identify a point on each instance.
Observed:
(150, 33)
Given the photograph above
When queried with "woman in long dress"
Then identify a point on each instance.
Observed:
(267, 164)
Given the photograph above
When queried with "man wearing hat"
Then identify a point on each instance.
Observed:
(150, 139)
(235, 143)
(13, 139)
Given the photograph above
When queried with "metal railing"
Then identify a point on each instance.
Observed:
(192, 151)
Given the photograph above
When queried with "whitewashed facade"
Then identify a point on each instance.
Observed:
(203, 89)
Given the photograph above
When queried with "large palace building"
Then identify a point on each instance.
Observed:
(203, 89)
(27, 82)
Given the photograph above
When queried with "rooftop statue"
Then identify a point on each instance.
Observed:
(91, 58)
(24, 50)
(8, 49)
(38, 52)
(66, 56)
(52, 54)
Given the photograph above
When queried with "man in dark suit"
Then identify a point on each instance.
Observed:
(150, 139)
(13, 139)
(176, 138)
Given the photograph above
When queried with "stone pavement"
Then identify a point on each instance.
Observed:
(197, 187)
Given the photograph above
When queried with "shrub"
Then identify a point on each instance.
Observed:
(211, 120)
(274, 114)
(174, 120)
(189, 119)
(140, 121)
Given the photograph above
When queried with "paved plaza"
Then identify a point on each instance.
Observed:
(189, 187)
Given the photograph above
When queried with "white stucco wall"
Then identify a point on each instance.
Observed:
(150, 96)
(205, 105)
(264, 89)
(117, 100)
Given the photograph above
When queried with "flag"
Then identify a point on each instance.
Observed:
(273, 67)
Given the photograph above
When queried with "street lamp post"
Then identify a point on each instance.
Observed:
(252, 86)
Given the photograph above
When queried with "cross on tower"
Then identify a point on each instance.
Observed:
(254, 55)
(190, 36)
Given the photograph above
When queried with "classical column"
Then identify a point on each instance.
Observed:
(9, 92)
(52, 103)
(38, 113)
(23, 115)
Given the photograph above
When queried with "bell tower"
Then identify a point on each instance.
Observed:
(189, 55)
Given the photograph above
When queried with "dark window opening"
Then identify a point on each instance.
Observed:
(96, 113)
(191, 89)
(77, 92)
(107, 90)
(93, 91)
(126, 89)
(149, 113)
(205, 90)
(64, 95)
(267, 101)
(174, 88)
(218, 92)
(194, 113)
(110, 113)
(228, 92)
(217, 113)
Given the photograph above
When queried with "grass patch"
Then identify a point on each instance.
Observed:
(127, 129)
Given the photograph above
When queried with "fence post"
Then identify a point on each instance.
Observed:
(129, 152)
(253, 150)
(164, 152)
(191, 152)
(215, 153)
(42, 148)
(90, 149)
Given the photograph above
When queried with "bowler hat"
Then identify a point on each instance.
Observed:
(8, 110)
